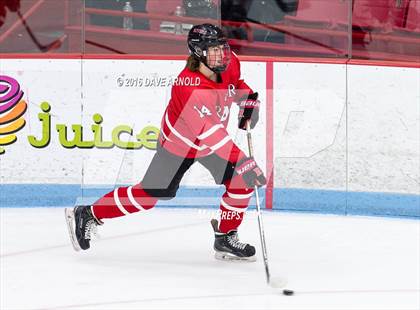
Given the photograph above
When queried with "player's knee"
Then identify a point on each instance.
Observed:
(170, 193)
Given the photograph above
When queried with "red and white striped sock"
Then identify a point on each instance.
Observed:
(123, 201)
(233, 206)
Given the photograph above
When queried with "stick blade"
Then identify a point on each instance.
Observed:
(277, 282)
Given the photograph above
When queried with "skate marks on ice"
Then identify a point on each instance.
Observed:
(135, 303)
(164, 260)
(101, 239)
(219, 300)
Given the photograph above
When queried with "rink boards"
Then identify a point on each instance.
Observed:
(341, 138)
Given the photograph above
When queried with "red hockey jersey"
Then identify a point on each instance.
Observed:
(195, 120)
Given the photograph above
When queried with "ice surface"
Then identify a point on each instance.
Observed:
(163, 259)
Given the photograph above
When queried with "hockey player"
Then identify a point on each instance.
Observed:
(193, 129)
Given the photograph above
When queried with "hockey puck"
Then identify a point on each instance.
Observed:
(288, 292)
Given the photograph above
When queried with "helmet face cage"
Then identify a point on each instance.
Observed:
(218, 57)
(209, 45)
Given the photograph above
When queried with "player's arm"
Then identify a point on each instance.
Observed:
(201, 117)
(241, 86)
(249, 105)
(212, 134)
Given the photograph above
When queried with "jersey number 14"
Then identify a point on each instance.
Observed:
(204, 111)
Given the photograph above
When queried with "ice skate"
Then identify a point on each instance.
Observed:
(228, 247)
(82, 226)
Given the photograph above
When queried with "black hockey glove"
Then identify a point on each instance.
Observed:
(252, 175)
(248, 110)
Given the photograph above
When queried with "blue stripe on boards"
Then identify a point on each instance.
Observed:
(287, 199)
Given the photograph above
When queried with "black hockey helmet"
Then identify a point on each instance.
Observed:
(201, 37)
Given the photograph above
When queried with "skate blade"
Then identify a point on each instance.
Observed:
(230, 257)
(69, 214)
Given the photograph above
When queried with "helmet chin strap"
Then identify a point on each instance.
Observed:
(217, 70)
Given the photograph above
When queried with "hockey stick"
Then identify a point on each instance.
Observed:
(277, 282)
(42, 48)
